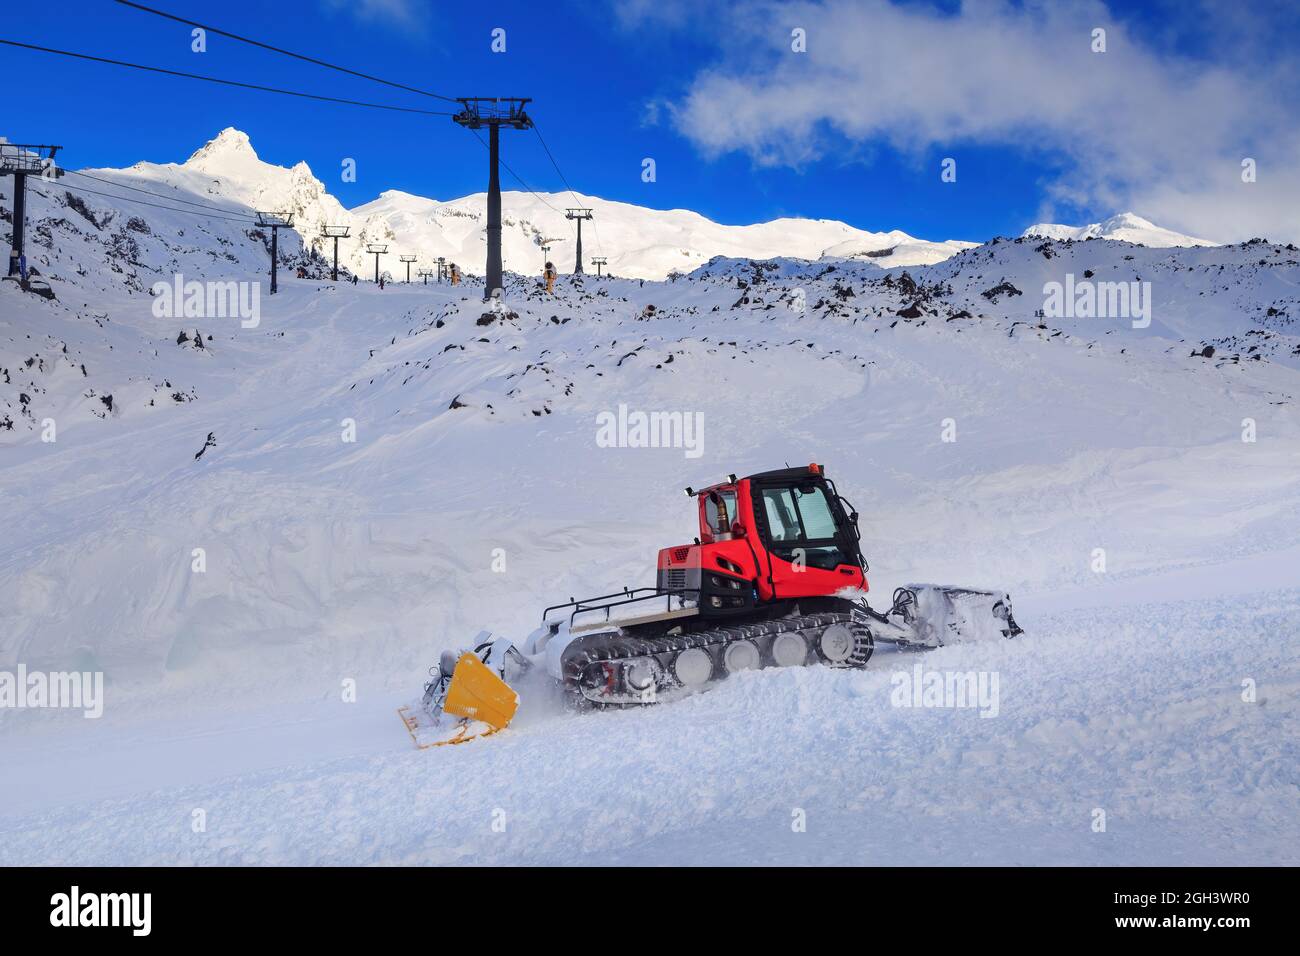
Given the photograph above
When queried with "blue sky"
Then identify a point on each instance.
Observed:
(741, 127)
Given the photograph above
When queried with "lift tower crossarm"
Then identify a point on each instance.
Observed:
(28, 158)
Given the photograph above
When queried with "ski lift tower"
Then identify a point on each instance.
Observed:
(599, 261)
(408, 259)
(424, 274)
(441, 260)
(377, 249)
(580, 215)
(493, 112)
(21, 160)
(275, 222)
(336, 233)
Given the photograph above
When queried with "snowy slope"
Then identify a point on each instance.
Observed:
(1125, 227)
(891, 356)
(1098, 712)
(329, 560)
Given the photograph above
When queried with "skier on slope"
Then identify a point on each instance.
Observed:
(549, 275)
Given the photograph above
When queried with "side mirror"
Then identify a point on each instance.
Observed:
(738, 529)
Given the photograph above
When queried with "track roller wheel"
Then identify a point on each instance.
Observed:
(741, 656)
(693, 667)
(789, 649)
(845, 644)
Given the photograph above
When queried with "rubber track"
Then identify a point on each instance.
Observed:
(623, 646)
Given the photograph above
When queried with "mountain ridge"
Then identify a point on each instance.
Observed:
(638, 241)
(1122, 227)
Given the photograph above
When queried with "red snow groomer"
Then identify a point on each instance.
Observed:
(776, 578)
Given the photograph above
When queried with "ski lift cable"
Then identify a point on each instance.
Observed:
(145, 202)
(527, 187)
(276, 49)
(225, 82)
(377, 79)
(576, 200)
(551, 157)
(149, 192)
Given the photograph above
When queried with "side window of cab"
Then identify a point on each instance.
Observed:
(720, 511)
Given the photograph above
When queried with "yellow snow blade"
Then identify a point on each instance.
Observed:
(427, 732)
(425, 735)
(478, 693)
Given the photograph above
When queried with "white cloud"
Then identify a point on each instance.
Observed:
(633, 14)
(1132, 128)
(408, 14)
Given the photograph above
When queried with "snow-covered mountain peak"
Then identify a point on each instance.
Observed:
(400, 194)
(230, 145)
(1124, 226)
(1126, 220)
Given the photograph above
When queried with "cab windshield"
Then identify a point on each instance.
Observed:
(801, 522)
